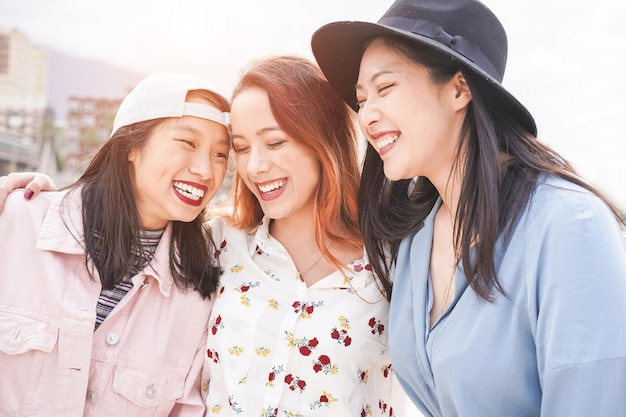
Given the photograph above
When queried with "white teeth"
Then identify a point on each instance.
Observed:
(189, 191)
(267, 188)
(386, 141)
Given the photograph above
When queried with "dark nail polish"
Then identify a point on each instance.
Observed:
(28, 194)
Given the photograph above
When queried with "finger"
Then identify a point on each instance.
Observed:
(5, 189)
(32, 189)
(15, 180)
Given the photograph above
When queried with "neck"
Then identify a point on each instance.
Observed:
(294, 231)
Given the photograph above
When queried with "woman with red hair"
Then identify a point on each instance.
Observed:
(299, 326)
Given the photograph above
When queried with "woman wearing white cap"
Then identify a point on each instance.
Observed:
(105, 287)
(510, 270)
(299, 324)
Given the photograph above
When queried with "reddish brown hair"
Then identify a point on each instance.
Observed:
(310, 111)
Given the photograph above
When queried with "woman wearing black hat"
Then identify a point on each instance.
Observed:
(510, 270)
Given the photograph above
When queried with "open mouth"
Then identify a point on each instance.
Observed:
(271, 187)
(188, 191)
(385, 141)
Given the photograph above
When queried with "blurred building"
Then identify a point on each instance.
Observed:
(23, 102)
(88, 126)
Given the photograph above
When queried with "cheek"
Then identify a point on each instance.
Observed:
(241, 163)
(361, 122)
(220, 174)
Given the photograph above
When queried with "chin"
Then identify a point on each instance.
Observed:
(393, 176)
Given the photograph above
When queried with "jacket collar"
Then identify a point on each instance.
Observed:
(62, 231)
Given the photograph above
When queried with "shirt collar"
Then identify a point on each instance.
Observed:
(356, 275)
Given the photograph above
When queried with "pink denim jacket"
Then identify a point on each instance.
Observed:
(144, 360)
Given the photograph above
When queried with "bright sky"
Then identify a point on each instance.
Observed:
(566, 57)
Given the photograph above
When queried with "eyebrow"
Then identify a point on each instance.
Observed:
(197, 132)
(374, 77)
(261, 132)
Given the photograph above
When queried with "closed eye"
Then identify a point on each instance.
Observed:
(385, 87)
(275, 145)
(187, 142)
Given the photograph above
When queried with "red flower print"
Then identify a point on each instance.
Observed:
(323, 399)
(305, 351)
(386, 370)
(216, 324)
(295, 383)
(305, 309)
(212, 354)
(377, 326)
(244, 288)
(324, 364)
(383, 407)
(341, 336)
(313, 342)
(271, 376)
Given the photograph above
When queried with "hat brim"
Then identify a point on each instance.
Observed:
(338, 48)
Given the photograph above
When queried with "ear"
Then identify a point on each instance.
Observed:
(461, 91)
(132, 155)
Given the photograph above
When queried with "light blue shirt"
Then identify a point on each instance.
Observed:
(555, 346)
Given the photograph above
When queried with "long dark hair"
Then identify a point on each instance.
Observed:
(494, 190)
(112, 223)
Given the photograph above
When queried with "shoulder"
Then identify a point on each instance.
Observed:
(16, 206)
(558, 202)
(22, 217)
(222, 230)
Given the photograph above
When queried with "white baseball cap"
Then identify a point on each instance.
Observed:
(163, 95)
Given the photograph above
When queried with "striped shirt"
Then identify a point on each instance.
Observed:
(110, 298)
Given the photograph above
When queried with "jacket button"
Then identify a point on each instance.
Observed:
(112, 339)
(151, 392)
(92, 396)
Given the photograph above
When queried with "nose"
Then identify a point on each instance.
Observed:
(201, 166)
(368, 114)
(257, 161)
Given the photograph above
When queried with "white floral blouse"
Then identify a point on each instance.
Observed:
(278, 348)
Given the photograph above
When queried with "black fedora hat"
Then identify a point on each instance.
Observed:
(466, 30)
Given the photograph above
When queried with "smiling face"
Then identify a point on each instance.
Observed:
(413, 123)
(179, 169)
(280, 171)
